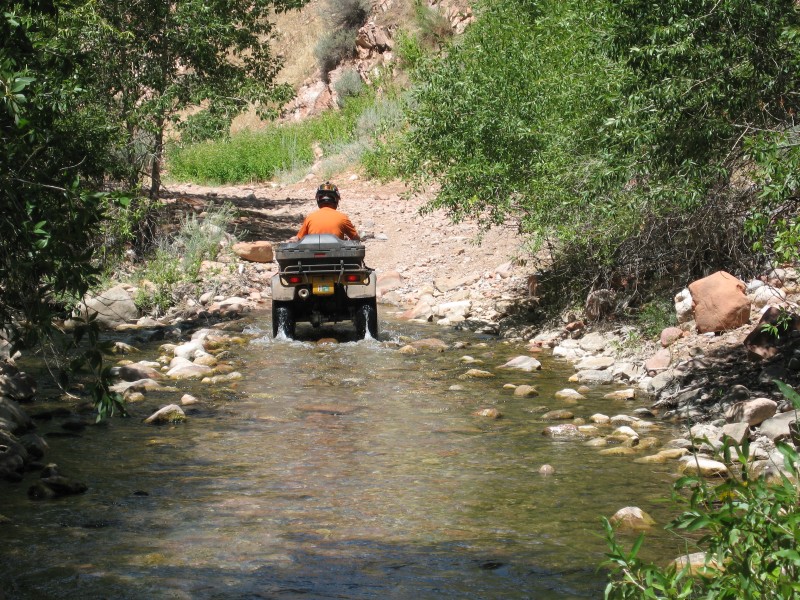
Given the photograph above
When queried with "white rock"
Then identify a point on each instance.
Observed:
(523, 363)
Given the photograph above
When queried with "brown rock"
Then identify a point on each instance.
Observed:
(670, 335)
(752, 412)
(489, 413)
(260, 251)
(719, 303)
(658, 362)
(632, 518)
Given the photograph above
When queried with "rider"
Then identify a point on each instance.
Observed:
(327, 219)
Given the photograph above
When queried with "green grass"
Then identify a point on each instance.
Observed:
(257, 156)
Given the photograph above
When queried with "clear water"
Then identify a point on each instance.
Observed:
(333, 471)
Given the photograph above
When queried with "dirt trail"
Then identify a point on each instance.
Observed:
(429, 252)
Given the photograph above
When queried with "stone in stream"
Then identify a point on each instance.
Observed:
(563, 431)
(558, 415)
(525, 391)
(626, 394)
(705, 467)
(632, 518)
(489, 413)
(476, 374)
(569, 394)
(546, 470)
(522, 363)
(172, 413)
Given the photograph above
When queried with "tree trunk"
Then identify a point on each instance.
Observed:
(158, 153)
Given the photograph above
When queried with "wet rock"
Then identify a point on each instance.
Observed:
(593, 376)
(188, 400)
(569, 394)
(619, 420)
(190, 371)
(546, 470)
(434, 344)
(599, 419)
(489, 413)
(632, 518)
(142, 385)
(703, 467)
(662, 457)
(618, 451)
(135, 372)
(597, 442)
(476, 374)
(557, 415)
(525, 391)
(172, 413)
(12, 412)
(34, 445)
(627, 394)
(523, 363)
(469, 360)
(217, 379)
(17, 386)
(206, 360)
(752, 412)
(408, 349)
(189, 350)
(697, 563)
(562, 431)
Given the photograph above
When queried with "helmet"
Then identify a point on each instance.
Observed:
(328, 193)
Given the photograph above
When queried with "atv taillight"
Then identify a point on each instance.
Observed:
(352, 278)
(294, 279)
(319, 255)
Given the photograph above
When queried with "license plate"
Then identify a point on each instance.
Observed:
(323, 287)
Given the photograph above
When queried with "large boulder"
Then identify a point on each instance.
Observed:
(113, 307)
(260, 252)
(719, 302)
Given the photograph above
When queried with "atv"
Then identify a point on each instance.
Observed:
(323, 279)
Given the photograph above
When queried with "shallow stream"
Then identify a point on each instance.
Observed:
(334, 471)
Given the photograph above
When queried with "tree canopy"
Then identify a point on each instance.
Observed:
(644, 141)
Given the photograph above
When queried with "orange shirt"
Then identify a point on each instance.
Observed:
(328, 220)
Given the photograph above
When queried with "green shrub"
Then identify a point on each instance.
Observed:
(334, 48)
(177, 259)
(278, 149)
(349, 84)
(656, 316)
(749, 529)
(346, 14)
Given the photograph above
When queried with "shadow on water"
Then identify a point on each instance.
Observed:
(331, 471)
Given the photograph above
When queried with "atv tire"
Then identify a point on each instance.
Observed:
(283, 319)
(366, 319)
